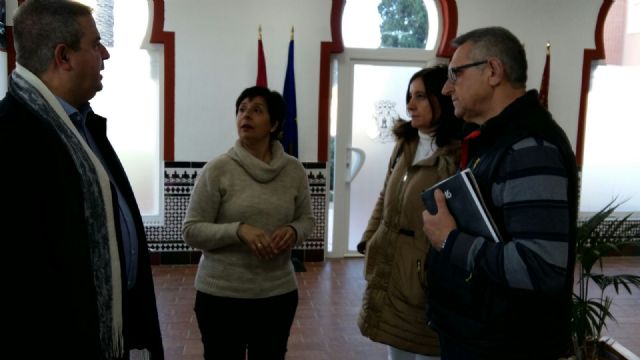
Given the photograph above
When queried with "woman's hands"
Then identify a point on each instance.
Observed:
(283, 238)
(264, 246)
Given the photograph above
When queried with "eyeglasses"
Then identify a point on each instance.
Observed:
(455, 71)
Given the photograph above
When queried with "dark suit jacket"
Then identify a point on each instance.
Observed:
(48, 289)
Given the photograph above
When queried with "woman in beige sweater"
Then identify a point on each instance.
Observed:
(427, 151)
(248, 209)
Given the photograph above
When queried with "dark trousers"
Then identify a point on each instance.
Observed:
(450, 350)
(231, 327)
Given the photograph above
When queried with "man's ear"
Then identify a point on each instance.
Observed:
(497, 75)
(61, 56)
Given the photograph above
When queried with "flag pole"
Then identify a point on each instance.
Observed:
(289, 135)
(543, 95)
(261, 78)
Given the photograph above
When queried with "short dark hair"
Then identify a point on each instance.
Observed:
(40, 25)
(500, 43)
(448, 126)
(275, 105)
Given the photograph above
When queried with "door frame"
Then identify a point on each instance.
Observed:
(346, 62)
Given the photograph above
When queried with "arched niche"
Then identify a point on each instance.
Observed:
(449, 17)
(590, 55)
(158, 36)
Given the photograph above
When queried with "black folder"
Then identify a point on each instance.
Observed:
(465, 203)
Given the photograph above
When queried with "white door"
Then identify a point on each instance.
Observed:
(373, 87)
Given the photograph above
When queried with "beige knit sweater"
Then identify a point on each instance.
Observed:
(237, 187)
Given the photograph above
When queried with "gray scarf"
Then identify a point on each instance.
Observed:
(101, 234)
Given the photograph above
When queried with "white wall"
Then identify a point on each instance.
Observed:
(216, 58)
(216, 52)
(569, 26)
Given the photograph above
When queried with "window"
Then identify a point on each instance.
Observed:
(390, 24)
(130, 98)
(611, 166)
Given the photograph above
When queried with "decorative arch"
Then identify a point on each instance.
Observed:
(158, 36)
(449, 13)
(590, 55)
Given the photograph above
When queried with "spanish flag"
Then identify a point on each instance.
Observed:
(543, 95)
(261, 79)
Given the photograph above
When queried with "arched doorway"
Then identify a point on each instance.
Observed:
(367, 93)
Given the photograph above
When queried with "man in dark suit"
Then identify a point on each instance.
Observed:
(78, 279)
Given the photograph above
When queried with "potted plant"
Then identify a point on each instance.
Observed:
(599, 236)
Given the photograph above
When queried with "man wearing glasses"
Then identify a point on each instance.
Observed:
(509, 299)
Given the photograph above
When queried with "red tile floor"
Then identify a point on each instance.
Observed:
(325, 325)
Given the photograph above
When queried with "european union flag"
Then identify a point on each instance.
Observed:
(289, 137)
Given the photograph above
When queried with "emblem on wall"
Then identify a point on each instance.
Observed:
(384, 115)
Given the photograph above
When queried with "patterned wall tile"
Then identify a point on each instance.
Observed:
(179, 179)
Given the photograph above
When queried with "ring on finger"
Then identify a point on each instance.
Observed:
(259, 245)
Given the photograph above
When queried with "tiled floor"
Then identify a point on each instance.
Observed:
(325, 325)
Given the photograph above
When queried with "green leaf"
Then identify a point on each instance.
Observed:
(599, 236)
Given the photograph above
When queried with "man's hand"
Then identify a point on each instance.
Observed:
(437, 227)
